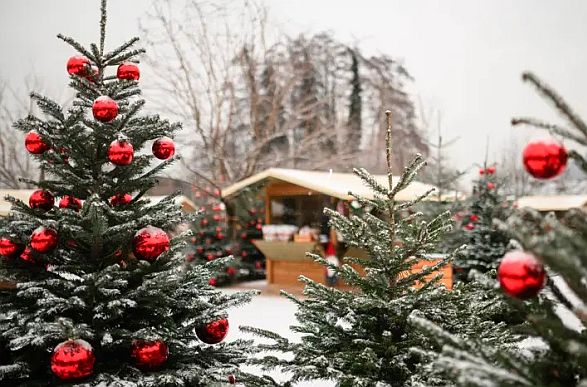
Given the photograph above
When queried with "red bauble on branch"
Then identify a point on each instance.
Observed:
(149, 243)
(78, 65)
(149, 354)
(491, 170)
(469, 226)
(9, 248)
(73, 359)
(231, 379)
(214, 332)
(490, 186)
(70, 202)
(120, 152)
(521, 275)
(163, 148)
(128, 71)
(34, 144)
(545, 159)
(44, 240)
(474, 218)
(120, 199)
(105, 109)
(41, 199)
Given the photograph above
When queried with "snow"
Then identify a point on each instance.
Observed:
(271, 312)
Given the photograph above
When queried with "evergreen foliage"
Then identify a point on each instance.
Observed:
(486, 244)
(359, 335)
(559, 354)
(91, 287)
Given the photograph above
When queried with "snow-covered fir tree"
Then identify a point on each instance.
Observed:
(101, 293)
(557, 355)
(359, 336)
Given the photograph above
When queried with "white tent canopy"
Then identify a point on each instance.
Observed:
(333, 184)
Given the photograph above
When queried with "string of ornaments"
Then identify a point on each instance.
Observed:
(75, 358)
(521, 275)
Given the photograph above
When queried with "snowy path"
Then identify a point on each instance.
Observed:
(274, 313)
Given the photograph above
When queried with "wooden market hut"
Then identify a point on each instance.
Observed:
(559, 204)
(298, 197)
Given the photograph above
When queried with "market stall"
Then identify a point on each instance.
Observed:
(294, 220)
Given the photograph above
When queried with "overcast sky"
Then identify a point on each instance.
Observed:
(466, 56)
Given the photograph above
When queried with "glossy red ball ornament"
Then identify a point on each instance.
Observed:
(44, 240)
(105, 109)
(78, 65)
(545, 159)
(214, 332)
(9, 248)
(231, 271)
(120, 152)
(212, 282)
(491, 170)
(34, 144)
(469, 226)
(474, 218)
(120, 199)
(41, 199)
(149, 243)
(70, 202)
(482, 171)
(149, 354)
(231, 379)
(490, 186)
(73, 359)
(128, 71)
(210, 257)
(521, 275)
(163, 148)
(258, 265)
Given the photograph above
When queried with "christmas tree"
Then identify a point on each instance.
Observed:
(359, 336)
(557, 355)
(101, 291)
(485, 244)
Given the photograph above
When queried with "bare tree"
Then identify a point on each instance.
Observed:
(15, 162)
(253, 98)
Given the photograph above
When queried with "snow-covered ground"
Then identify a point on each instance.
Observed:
(271, 312)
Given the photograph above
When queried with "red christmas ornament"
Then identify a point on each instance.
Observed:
(490, 170)
(243, 235)
(469, 226)
(521, 275)
(128, 71)
(163, 148)
(105, 109)
(41, 199)
(490, 186)
(120, 199)
(545, 159)
(259, 226)
(10, 249)
(149, 354)
(204, 222)
(149, 243)
(482, 171)
(27, 255)
(199, 249)
(34, 144)
(244, 253)
(210, 257)
(78, 65)
(258, 265)
(474, 218)
(70, 202)
(230, 271)
(44, 240)
(231, 379)
(214, 332)
(212, 282)
(120, 152)
(73, 359)
(220, 236)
